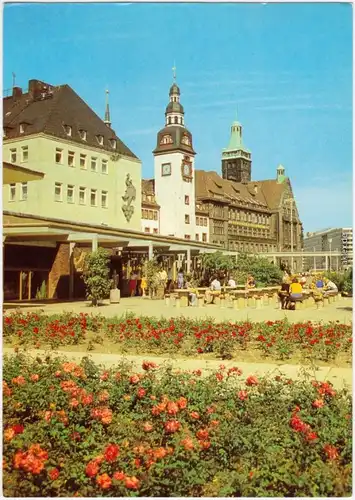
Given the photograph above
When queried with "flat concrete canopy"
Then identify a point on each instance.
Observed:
(14, 173)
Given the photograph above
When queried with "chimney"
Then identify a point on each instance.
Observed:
(38, 89)
(16, 93)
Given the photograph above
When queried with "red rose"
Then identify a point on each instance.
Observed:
(195, 415)
(18, 428)
(202, 434)
(187, 443)
(330, 451)
(104, 481)
(111, 452)
(318, 403)
(252, 380)
(92, 468)
(53, 474)
(311, 436)
(242, 395)
(134, 379)
(34, 377)
(182, 403)
(119, 476)
(141, 393)
(172, 426)
(172, 408)
(132, 483)
(205, 444)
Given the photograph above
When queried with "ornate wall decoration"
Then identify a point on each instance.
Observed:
(79, 255)
(129, 197)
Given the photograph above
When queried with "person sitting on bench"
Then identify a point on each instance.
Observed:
(284, 294)
(215, 289)
(296, 294)
(330, 288)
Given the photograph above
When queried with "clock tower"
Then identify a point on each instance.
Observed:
(236, 159)
(174, 171)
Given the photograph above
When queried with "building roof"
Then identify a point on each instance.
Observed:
(49, 109)
(176, 133)
(212, 185)
(273, 191)
(148, 193)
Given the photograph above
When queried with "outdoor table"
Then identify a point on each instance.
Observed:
(183, 295)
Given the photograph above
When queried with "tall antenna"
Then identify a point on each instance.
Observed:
(13, 79)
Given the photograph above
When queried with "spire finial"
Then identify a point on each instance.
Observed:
(107, 119)
(174, 72)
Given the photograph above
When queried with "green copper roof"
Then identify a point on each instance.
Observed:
(236, 141)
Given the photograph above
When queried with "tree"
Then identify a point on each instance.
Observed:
(96, 274)
(264, 272)
(217, 263)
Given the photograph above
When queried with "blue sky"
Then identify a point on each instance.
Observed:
(286, 69)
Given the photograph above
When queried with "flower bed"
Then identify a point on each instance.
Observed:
(78, 430)
(276, 339)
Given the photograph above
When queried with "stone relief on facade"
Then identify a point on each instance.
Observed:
(129, 197)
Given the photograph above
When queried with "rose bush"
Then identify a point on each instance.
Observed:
(276, 339)
(80, 430)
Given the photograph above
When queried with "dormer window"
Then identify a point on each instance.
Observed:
(113, 143)
(22, 128)
(82, 134)
(67, 130)
(100, 139)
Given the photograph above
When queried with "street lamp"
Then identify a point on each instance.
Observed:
(291, 201)
(330, 253)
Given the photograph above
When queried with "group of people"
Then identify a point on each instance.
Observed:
(292, 288)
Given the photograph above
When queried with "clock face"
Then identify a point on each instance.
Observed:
(166, 169)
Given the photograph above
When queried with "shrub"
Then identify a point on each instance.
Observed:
(96, 275)
(80, 430)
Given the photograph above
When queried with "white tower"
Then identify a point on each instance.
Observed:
(174, 172)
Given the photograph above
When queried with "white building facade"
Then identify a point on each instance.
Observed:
(330, 240)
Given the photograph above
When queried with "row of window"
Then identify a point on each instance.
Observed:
(201, 221)
(70, 190)
(23, 191)
(83, 161)
(149, 214)
(249, 247)
(204, 237)
(83, 136)
(248, 231)
(147, 230)
(248, 217)
(14, 158)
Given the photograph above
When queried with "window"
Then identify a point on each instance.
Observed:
(187, 237)
(197, 221)
(150, 214)
(104, 197)
(71, 158)
(155, 230)
(13, 155)
(205, 221)
(187, 219)
(24, 191)
(147, 229)
(58, 191)
(155, 215)
(187, 200)
(58, 155)
(100, 139)
(24, 153)
(93, 164)
(82, 134)
(67, 129)
(197, 237)
(104, 165)
(22, 128)
(113, 143)
(93, 197)
(70, 193)
(12, 195)
(83, 161)
(82, 195)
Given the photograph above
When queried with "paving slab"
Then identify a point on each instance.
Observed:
(339, 377)
(341, 311)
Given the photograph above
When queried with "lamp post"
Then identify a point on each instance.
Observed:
(330, 253)
(291, 201)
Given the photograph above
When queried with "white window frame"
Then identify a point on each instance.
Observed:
(24, 191)
(83, 157)
(100, 139)
(104, 195)
(60, 196)
(93, 158)
(113, 143)
(22, 128)
(24, 152)
(13, 151)
(83, 134)
(82, 189)
(72, 188)
(93, 191)
(59, 151)
(104, 162)
(71, 154)
(12, 192)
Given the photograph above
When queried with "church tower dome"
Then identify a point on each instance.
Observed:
(236, 158)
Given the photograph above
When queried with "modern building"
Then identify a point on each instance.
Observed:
(231, 210)
(330, 240)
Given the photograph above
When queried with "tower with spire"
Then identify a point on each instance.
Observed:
(236, 158)
(174, 170)
(107, 119)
